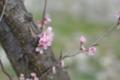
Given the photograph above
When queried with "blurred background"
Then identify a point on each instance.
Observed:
(70, 20)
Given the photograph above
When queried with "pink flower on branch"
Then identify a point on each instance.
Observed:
(33, 74)
(21, 77)
(54, 69)
(62, 63)
(45, 40)
(33, 77)
(46, 21)
(91, 51)
(82, 40)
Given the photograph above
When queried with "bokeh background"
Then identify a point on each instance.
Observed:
(70, 20)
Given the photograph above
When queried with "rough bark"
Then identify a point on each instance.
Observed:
(19, 44)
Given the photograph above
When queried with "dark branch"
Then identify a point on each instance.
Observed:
(44, 14)
(3, 11)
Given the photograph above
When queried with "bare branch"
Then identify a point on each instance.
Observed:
(107, 32)
(72, 55)
(3, 11)
(44, 14)
(44, 74)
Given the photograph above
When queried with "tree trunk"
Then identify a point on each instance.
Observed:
(19, 44)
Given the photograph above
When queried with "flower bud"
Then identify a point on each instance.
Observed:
(82, 40)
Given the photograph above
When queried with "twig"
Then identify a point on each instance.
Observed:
(3, 11)
(3, 70)
(44, 14)
(107, 31)
(69, 56)
(44, 74)
(61, 54)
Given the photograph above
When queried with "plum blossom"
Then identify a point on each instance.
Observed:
(40, 50)
(46, 37)
(33, 74)
(45, 40)
(36, 78)
(33, 77)
(45, 21)
(39, 23)
(62, 63)
(82, 42)
(82, 39)
(21, 77)
(54, 70)
(92, 51)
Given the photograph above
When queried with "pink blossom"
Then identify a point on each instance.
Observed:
(36, 78)
(33, 77)
(33, 74)
(62, 63)
(27, 79)
(82, 40)
(38, 49)
(39, 23)
(54, 70)
(45, 40)
(47, 19)
(92, 51)
(22, 77)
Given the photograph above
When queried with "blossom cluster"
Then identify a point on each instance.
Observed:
(33, 76)
(89, 51)
(46, 37)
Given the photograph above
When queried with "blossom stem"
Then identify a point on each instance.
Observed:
(107, 31)
(43, 15)
(3, 11)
